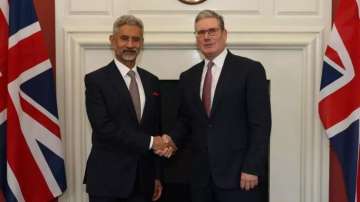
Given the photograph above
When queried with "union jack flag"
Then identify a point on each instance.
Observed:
(4, 10)
(339, 105)
(34, 161)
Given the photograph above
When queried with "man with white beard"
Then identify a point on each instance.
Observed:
(121, 165)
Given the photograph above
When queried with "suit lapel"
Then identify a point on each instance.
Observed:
(119, 84)
(197, 83)
(147, 90)
(220, 86)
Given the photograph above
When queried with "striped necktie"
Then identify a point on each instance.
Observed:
(134, 92)
(206, 95)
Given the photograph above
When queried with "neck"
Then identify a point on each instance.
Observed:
(129, 63)
(213, 56)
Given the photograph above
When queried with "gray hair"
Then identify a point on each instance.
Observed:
(210, 14)
(127, 20)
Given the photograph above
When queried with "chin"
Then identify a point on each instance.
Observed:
(209, 55)
(129, 58)
(209, 51)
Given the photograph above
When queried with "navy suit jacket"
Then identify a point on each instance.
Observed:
(120, 152)
(235, 137)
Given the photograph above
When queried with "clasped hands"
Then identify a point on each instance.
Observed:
(164, 146)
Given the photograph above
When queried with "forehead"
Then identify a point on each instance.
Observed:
(207, 23)
(130, 30)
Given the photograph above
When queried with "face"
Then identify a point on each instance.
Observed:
(210, 39)
(127, 43)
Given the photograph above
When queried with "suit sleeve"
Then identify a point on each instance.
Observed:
(158, 160)
(259, 120)
(104, 129)
(181, 129)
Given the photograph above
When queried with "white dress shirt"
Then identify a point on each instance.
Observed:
(123, 71)
(215, 70)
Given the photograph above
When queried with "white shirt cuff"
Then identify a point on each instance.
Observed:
(151, 142)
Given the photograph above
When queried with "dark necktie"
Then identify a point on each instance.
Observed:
(206, 95)
(135, 96)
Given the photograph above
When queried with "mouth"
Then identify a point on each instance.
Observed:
(129, 55)
(130, 51)
(210, 45)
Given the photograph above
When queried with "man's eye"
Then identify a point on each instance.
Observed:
(201, 32)
(124, 38)
(212, 31)
(135, 39)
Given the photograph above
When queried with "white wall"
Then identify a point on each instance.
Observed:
(287, 36)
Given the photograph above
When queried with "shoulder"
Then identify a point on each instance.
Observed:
(147, 74)
(241, 60)
(193, 70)
(99, 73)
(244, 64)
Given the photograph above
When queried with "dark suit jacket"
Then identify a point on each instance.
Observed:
(235, 137)
(120, 145)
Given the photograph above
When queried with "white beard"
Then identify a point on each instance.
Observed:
(129, 56)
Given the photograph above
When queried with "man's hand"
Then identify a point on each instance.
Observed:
(158, 143)
(170, 148)
(157, 190)
(248, 181)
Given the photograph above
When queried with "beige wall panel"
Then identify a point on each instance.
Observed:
(90, 7)
(295, 7)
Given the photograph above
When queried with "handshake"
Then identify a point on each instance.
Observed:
(164, 146)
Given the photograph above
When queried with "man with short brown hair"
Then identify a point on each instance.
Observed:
(225, 113)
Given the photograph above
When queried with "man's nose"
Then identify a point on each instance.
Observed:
(206, 35)
(130, 43)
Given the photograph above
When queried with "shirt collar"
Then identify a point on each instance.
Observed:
(218, 60)
(123, 68)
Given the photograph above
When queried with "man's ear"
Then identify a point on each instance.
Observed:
(111, 39)
(142, 45)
